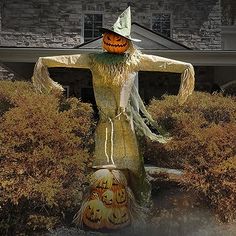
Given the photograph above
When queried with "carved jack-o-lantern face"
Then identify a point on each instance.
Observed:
(95, 194)
(114, 43)
(118, 218)
(101, 179)
(93, 214)
(121, 196)
(107, 198)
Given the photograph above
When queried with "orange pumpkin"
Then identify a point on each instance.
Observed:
(102, 178)
(114, 43)
(108, 198)
(95, 194)
(121, 195)
(118, 218)
(94, 214)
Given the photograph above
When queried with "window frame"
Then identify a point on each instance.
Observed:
(83, 22)
(171, 21)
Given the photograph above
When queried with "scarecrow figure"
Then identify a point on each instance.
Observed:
(119, 180)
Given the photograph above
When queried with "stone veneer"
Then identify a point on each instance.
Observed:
(7, 74)
(57, 23)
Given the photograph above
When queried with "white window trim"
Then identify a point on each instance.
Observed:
(90, 12)
(171, 20)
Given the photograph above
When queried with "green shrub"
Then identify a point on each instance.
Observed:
(44, 142)
(203, 144)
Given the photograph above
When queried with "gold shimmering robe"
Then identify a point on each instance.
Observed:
(115, 138)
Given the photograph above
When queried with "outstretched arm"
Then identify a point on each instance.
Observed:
(155, 63)
(41, 78)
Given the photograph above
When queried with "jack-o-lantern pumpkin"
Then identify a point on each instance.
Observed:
(108, 198)
(118, 218)
(114, 43)
(101, 179)
(120, 195)
(95, 194)
(94, 214)
(119, 178)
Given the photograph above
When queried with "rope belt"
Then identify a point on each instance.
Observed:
(112, 138)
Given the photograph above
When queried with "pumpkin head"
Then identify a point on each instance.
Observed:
(114, 43)
(93, 214)
(107, 198)
(118, 218)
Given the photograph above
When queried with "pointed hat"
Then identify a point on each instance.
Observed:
(122, 26)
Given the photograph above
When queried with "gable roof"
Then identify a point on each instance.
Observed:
(150, 40)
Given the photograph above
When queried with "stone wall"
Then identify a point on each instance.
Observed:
(6, 74)
(43, 23)
(42, 40)
(57, 23)
(195, 23)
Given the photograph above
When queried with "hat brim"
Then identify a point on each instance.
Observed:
(104, 30)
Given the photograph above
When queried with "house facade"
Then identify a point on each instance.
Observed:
(56, 23)
(167, 27)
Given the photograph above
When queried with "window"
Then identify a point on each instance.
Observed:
(92, 24)
(161, 23)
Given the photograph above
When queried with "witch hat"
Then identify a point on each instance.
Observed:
(122, 26)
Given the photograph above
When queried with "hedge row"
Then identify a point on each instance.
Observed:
(203, 144)
(44, 143)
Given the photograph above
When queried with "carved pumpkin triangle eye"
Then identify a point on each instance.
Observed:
(114, 43)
